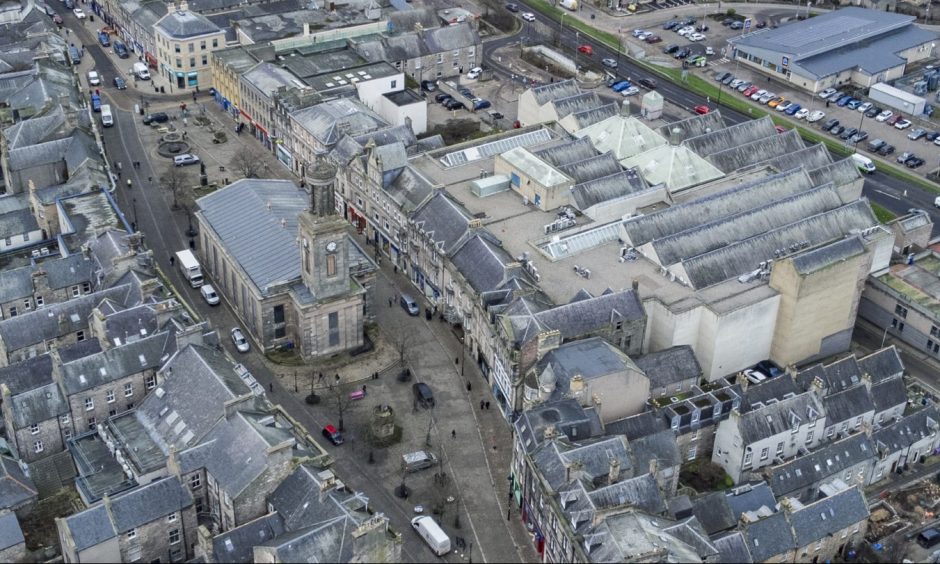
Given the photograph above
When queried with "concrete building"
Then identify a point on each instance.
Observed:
(404, 107)
(184, 43)
(299, 278)
(849, 45)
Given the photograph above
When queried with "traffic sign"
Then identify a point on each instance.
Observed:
(747, 23)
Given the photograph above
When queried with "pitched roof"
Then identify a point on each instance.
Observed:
(678, 167)
(882, 364)
(183, 25)
(442, 220)
(10, 532)
(847, 404)
(115, 363)
(620, 184)
(257, 220)
(636, 426)
(555, 90)
(16, 487)
(828, 516)
(484, 263)
(819, 465)
(713, 512)
(733, 548)
(670, 366)
(322, 120)
(769, 537)
(623, 136)
(237, 545)
(907, 431)
(779, 417)
(888, 393)
(37, 405)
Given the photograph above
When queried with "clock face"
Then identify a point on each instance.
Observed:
(331, 246)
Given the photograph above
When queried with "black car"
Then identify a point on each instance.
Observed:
(465, 91)
(848, 133)
(441, 97)
(720, 76)
(873, 111)
(428, 86)
(682, 53)
(932, 135)
(886, 150)
(670, 24)
(914, 162)
(119, 83)
(670, 49)
(648, 83)
(830, 124)
(702, 28)
(837, 130)
(454, 105)
(158, 117)
(512, 7)
(423, 395)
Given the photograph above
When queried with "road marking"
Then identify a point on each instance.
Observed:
(888, 195)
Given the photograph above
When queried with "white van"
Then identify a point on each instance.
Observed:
(863, 163)
(141, 70)
(432, 534)
(107, 118)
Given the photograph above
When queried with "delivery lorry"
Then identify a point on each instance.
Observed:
(190, 268)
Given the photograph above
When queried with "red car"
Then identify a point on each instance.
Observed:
(586, 49)
(750, 90)
(780, 129)
(701, 109)
(333, 435)
(653, 39)
(893, 119)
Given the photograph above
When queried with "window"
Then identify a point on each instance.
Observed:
(195, 482)
(394, 84)
(176, 47)
(38, 447)
(764, 453)
(40, 301)
(171, 518)
(809, 437)
(12, 311)
(27, 304)
(86, 287)
(112, 412)
(128, 390)
(205, 60)
(330, 265)
(900, 311)
(334, 328)
(280, 332)
(279, 314)
(79, 336)
(66, 419)
(693, 450)
(151, 382)
(67, 433)
(780, 447)
(191, 48)
(34, 428)
(215, 43)
(192, 62)
(76, 291)
(26, 236)
(109, 395)
(89, 404)
(131, 534)
(747, 458)
(92, 424)
(934, 331)
(8, 241)
(440, 58)
(179, 63)
(858, 421)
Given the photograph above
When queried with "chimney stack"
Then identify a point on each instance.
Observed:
(613, 472)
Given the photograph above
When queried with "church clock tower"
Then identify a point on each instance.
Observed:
(324, 246)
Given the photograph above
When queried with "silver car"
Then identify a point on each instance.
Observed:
(609, 63)
(185, 159)
(241, 343)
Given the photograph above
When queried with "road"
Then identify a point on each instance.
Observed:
(880, 188)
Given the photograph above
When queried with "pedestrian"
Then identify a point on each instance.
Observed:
(456, 360)
(390, 303)
(396, 269)
(482, 405)
(194, 96)
(453, 433)
(149, 179)
(192, 244)
(363, 389)
(271, 387)
(469, 386)
(119, 167)
(172, 260)
(487, 406)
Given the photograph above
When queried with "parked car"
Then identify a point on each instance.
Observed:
(208, 293)
(792, 110)
(876, 144)
(758, 94)
(185, 159)
(886, 150)
(653, 39)
(428, 85)
(157, 117)
(727, 81)
(802, 113)
(94, 79)
(830, 124)
(241, 343)
(474, 73)
(894, 119)
(620, 86)
(750, 90)
(902, 123)
(774, 102)
(121, 50)
(915, 162)
(736, 25)
(841, 102)
(848, 133)
(858, 137)
(120, 83)
(872, 112)
(862, 108)
(917, 133)
(743, 86)
(528, 16)
(904, 157)
(682, 53)
(853, 104)
(609, 63)
(815, 116)
(709, 51)
(827, 93)
(884, 116)
(333, 435)
(79, 13)
(512, 7)
(586, 49)
(720, 75)
(423, 395)
(670, 24)
(696, 36)
(632, 91)
(785, 105)
(481, 104)
(931, 136)
(670, 49)
(837, 130)
(766, 98)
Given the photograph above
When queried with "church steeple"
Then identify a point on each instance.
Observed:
(324, 245)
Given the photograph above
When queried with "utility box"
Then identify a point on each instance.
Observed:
(652, 105)
(897, 99)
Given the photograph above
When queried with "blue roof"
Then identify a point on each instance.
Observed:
(873, 57)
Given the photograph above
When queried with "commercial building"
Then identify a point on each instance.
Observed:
(850, 45)
(184, 41)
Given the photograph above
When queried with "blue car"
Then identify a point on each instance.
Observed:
(792, 109)
(843, 101)
(853, 104)
(620, 86)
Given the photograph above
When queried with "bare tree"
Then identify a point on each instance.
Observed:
(175, 180)
(339, 397)
(249, 160)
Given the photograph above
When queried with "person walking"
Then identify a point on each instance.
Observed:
(453, 433)
(487, 406)
(482, 404)
(172, 260)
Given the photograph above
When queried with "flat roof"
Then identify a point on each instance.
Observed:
(825, 32)
(918, 282)
(529, 164)
(350, 76)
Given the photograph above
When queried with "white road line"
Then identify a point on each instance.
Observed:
(888, 195)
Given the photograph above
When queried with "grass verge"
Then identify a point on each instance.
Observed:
(882, 213)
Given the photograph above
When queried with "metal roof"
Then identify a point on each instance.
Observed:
(256, 221)
(826, 32)
(873, 57)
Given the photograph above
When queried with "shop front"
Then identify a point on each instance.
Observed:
(283, 154)
(151, 60)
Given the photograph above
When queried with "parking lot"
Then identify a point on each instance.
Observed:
(487, 87)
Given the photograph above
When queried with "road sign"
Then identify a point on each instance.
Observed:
(747, 23)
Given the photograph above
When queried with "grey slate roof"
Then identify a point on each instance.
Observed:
(670, 366)
(591, 358)
(713, 512)
(888, 393)
(183, 25)
(409, 188)
(828, 461)
(639, 425)
(768, 537)
(594, 457)
(115, 363)
(300, 503)
(660, 446)
(605, 188)
(828, 516)
(580, 318)
(749, 497)
(733, 548)
(847, 405)
(10, 532)
(256, 221)
(37, 405)
(237, 545)
(590, 116)
(907, 431)
(640, 491)
(17, 223)
(839, 173)
(321, 120)
(90, 527)
(16, 488)
(443, 220)
(773, 389)
(779, 417)
(35, 130)
(882, 365)
(484, 263)
(564, 416)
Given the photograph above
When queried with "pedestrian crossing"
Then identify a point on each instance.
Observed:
(721, 61)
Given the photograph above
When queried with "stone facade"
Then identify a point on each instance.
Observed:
(168, 539)
(42, 295)
(109, 399)
(49, 434)
(15, 553)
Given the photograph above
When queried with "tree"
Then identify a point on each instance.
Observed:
(249, 160)
(339, 398)
(174, 179)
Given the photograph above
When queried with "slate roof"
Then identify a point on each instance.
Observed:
(670, 366)
(237, 545)
(409, 188)
(303, 500)
(713, 512)
(321, 120)
(36, 129)
(907, 431)
(810, 158)
(757, 151)
(840, 173)
(882, 365)
(821, 464)
(750, 497)
(847, 405)
(554, 91)
(888, 393)
(768, 537)
(443, 220)
(591, 358)
(115, 363)
(592, 168)
(183, 25)
(564, 416)
(773, 389)
(56, 320)
(10, 532)
(660, 446)
(16, 488)
(257, 220)
(483, 263)
(606, 188)
(733, 548)
(37, 405)
(770, 420)
(719, 140)
(640, 491)
(17, 223)
(594, 457)
(828, 516)
(639, 425)
(590, 116)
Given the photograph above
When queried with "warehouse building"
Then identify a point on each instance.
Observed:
(851, 45)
